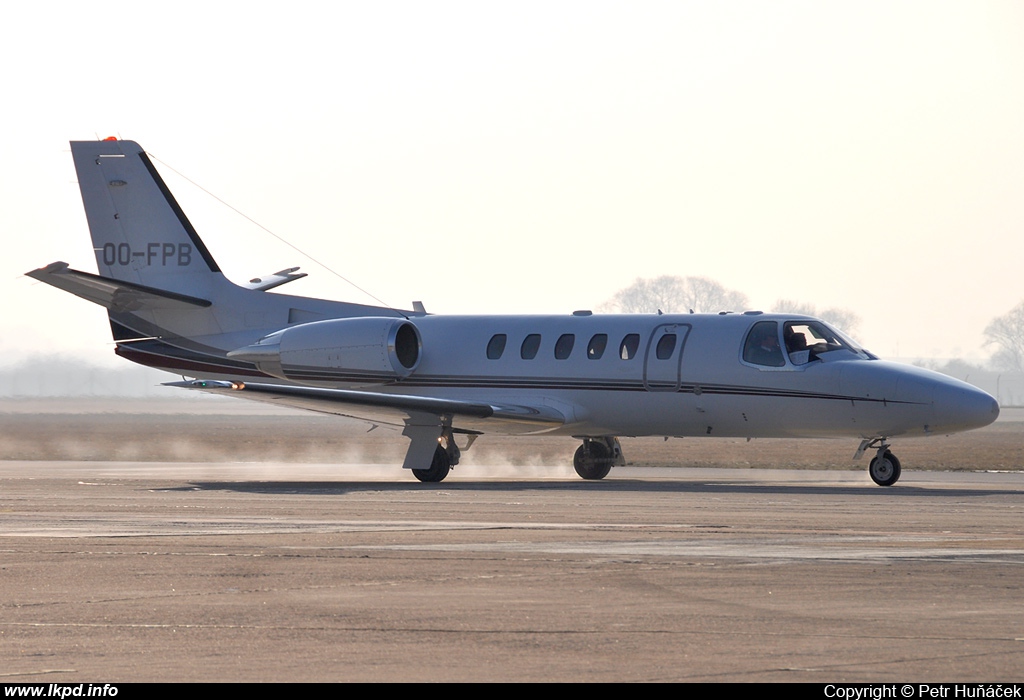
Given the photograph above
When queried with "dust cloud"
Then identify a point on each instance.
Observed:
(265, 438)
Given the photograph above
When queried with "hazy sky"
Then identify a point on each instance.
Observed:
(535, 157)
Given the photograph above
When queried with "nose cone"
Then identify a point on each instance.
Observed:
(915, 400)
(960, 406)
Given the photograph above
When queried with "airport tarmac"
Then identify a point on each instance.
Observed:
(218, 571)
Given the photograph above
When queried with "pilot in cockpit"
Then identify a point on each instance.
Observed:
(796, 346)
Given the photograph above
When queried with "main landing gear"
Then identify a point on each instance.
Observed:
(596, 457)
(446, 456)
(884, 468)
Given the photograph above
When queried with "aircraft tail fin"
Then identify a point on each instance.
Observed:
(168, 302)
(139, 232)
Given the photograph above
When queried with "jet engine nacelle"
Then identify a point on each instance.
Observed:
(364, 350)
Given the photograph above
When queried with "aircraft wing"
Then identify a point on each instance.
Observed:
(397, 410)
(116, 295)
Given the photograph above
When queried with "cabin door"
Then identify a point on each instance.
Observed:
(663, 360)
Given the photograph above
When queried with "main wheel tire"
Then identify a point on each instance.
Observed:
(592, 461)
(885, 470)
(439, 467)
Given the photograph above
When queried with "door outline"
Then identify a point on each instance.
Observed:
(665, 375)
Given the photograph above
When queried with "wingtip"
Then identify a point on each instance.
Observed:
(50, 269)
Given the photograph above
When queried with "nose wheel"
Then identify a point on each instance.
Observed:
(884, 468)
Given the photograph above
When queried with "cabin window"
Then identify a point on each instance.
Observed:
(629, 345)
(497, 346)
(762, 346)
(530, 346)
(596, 346)
(563, 347)
(666, 346)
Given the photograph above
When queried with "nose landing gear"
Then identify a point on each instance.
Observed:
(884, 469)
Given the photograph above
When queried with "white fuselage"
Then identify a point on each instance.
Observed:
(700, 386)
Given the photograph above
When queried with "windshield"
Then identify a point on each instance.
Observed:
(809, 340)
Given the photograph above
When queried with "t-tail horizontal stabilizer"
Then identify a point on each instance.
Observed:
(117, 295)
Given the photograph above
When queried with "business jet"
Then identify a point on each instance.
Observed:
(434, 377)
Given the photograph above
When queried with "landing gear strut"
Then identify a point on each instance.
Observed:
(884, 468)
(596, 457)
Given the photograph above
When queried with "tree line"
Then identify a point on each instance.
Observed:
(1006, 333)
(671, 294)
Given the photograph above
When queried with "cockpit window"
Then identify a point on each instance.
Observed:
(762, 346)
(809, 340)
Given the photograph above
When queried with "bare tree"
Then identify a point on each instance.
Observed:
(789, 306)
(1006, 332)
(706, 295)
(672, 294)
(843, 319)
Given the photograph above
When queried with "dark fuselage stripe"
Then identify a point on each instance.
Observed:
(183, 361)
